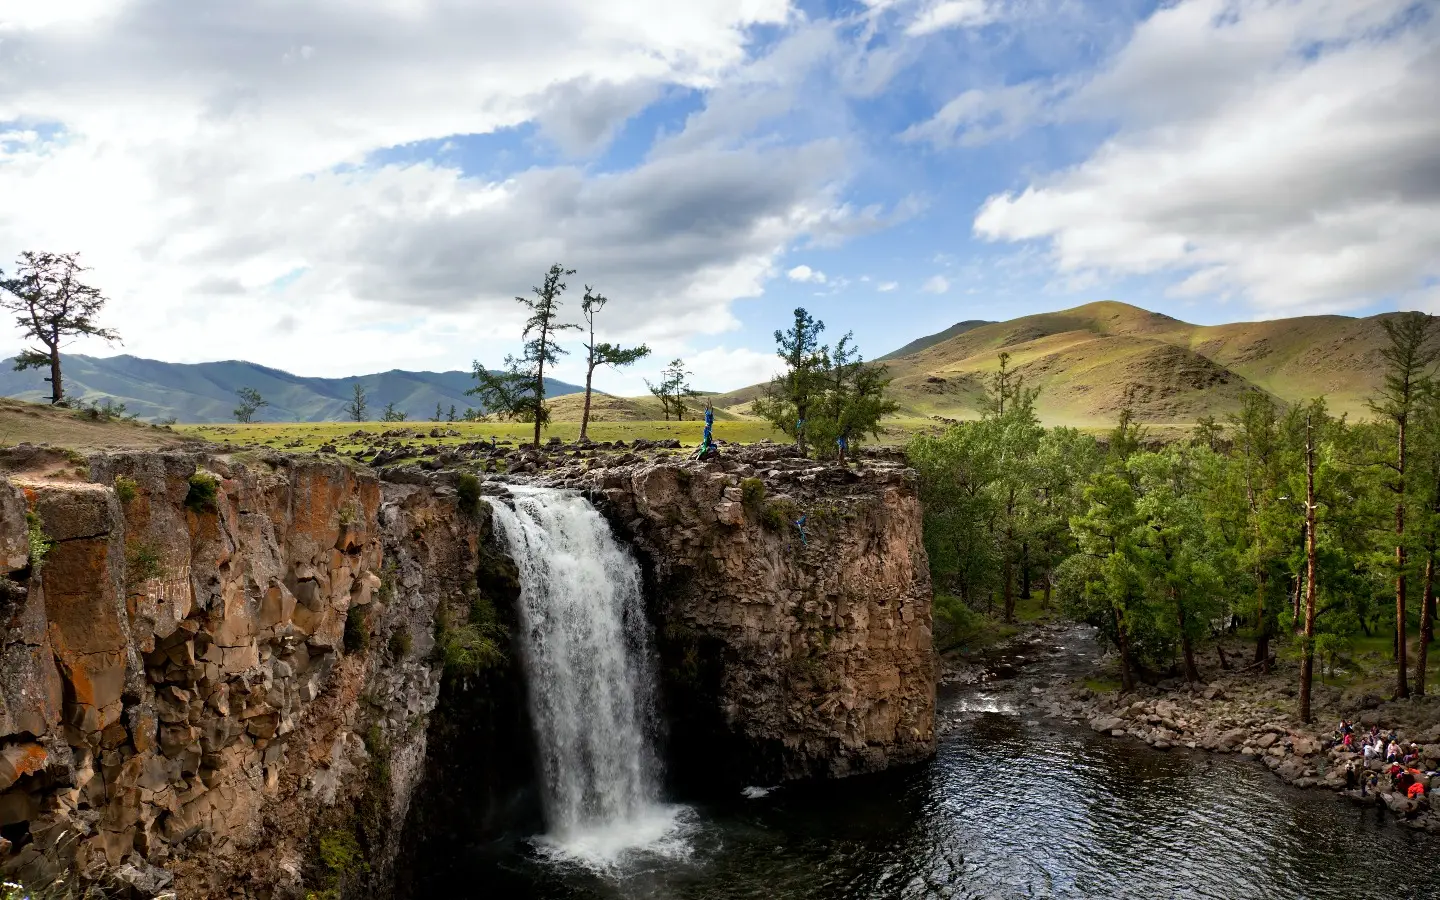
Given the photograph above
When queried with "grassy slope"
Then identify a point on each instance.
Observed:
(22, 422)
(1085, 360)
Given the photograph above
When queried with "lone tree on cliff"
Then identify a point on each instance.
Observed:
(52, 304)
(788, 398)
(601, 354)
(825, 397)
(519, 390)
(250, 403)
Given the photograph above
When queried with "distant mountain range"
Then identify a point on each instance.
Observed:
(205, 392)
(1085, 360)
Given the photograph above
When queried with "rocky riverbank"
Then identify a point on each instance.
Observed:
(1248, 714)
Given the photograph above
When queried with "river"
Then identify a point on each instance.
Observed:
(1012, 806)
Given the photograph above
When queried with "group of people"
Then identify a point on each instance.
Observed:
(1396, 760)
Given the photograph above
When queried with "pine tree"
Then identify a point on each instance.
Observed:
(52, 304)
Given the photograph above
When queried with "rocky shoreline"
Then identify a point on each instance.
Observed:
(1253, 716)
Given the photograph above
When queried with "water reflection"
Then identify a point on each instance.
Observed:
(1008, 810)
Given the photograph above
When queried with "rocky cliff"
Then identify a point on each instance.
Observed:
(203, 658)
(794, 609)
(218, 673)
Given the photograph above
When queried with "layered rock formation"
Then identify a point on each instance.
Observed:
(794, 601)
(218, 673)
(192, 682)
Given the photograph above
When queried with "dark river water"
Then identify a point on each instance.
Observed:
(1013, 806)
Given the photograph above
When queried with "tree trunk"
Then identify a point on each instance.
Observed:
(1025, 571)
(1122, 643)
(540, 388)
(1045, 597)
(589, 374)
(57, 392)
(1009, 590)
(1427, 624)
(1187, 647)
(1296, 609)
(1224, 663)
(1307, 663)
(1402, 686)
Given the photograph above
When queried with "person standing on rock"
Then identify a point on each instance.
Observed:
(1350, 777)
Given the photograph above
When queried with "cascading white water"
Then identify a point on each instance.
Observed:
(588, 661)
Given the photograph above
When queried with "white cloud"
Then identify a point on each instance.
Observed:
(943, 14)
(726, 369)
(1281, 151)
(887, 287)
(213, 151)
(979, 116)
(806, 274)
(936, 284)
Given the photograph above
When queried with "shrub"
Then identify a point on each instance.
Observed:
(357, 630)
(400, 643)
(350, 513)
(39, 544)
(204, 489)
(955, 621)
(387, 582)
(780, 514)
(144, 560)
(126, 488)
(471, 647)
(752, 492)
(340, 858)
(468, 488)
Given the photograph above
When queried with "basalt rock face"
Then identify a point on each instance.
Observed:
(793, 609)
(192, 692)
(242, 696)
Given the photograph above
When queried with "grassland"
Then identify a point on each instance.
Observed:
(1090, 361)
(35, 423)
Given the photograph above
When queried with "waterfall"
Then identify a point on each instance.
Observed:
(590, 678)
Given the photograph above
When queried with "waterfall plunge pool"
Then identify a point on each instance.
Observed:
(1011, 807)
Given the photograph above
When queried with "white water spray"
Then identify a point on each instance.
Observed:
(590, 678)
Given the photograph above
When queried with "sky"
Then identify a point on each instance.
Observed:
(340, 187)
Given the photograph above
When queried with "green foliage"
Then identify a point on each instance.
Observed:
(400, 643)
(39, 543)
(357, 630)
(250, 404)
(126, 489)
(144, 561)
(388, 573)
(518, 391)
(51, 305)
(358, 407)
(752, 492)
(673, 390)
(826, 398)
(391, 414)
(468, 487)
(340, 860)
(203, 491)
(351, 512)
(955, 621)
(780, 514)
(106, 410)
(470, 647)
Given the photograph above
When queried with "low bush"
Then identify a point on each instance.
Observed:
(204, 489)
(126, 489)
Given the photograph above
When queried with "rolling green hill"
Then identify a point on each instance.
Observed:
(1085, 360)
(205, 392)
